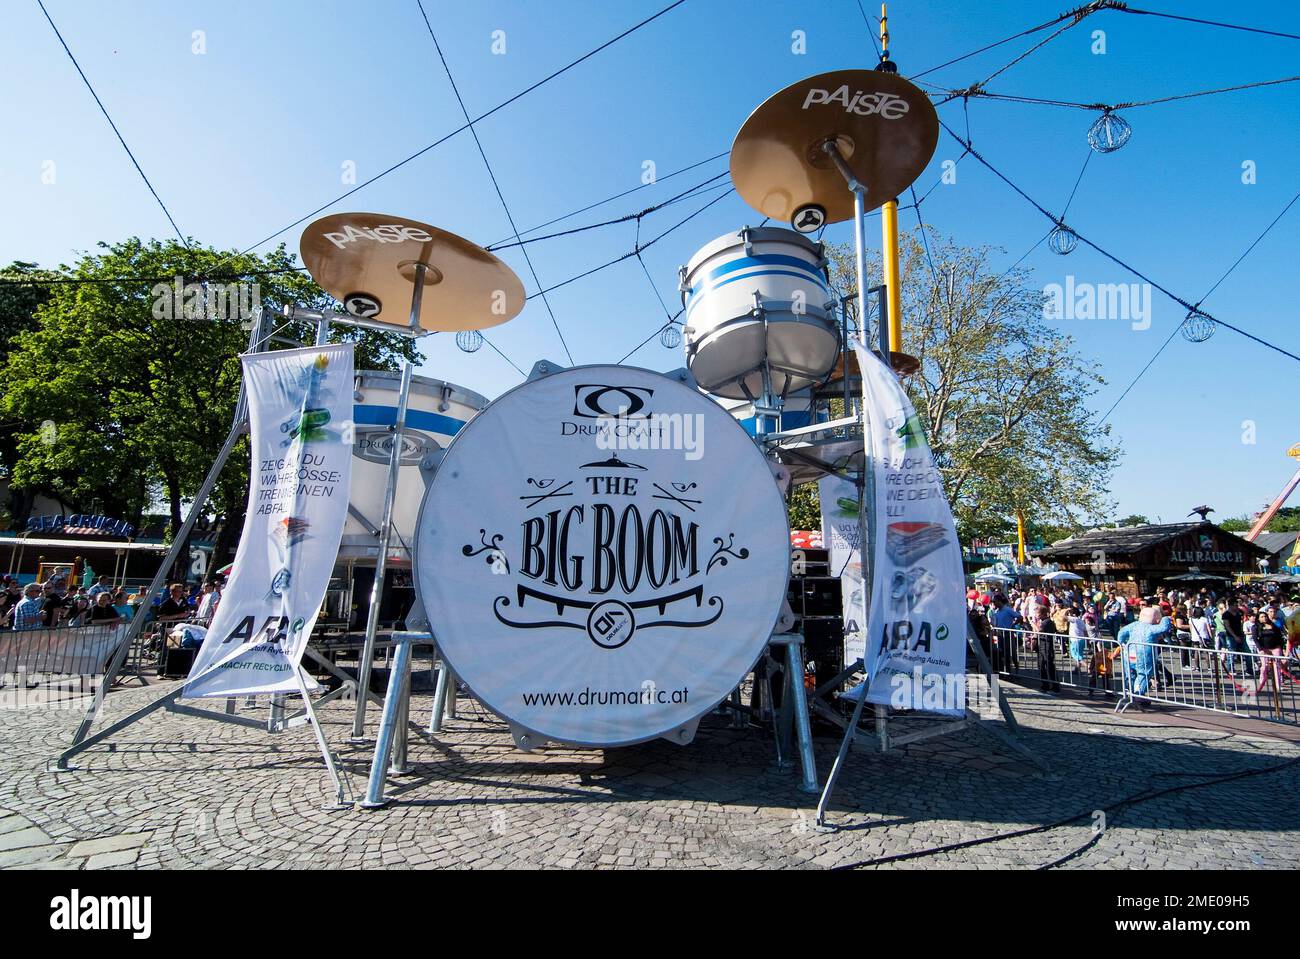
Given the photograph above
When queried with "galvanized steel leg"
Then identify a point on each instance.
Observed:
(802, 725)
(388, 728)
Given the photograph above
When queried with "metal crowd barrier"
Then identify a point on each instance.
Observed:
(1049, 659)
(1248, 684)
(56, 653)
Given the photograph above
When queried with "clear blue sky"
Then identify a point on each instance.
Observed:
(251, 135)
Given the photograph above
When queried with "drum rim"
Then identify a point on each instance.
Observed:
(428, 610)
(825, 324)
(757, 234)
(424, 385)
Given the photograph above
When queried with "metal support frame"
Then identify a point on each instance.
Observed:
(794, 705)
(278, 719)
(867, 516)
(386, 527)
(170, 702)
(238, 427)
(393, 723)
(444, 694)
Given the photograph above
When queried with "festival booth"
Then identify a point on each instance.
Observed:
(602, 555)
(1137, 559)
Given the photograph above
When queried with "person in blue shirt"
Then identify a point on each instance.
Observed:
(1138, 644)
(27, 613)
(1004, 618)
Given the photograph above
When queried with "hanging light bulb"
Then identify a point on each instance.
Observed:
(1109, 132)
(1197, 327)
(469, 340)
(671, 337)
(1062, 240)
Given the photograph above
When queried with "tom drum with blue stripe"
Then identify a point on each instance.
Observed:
(754, 297)
(436, 412)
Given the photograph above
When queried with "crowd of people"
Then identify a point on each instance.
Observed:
(56, 603)
(1253, 629)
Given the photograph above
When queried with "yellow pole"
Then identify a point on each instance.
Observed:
(1020, 539)
(889, 230)
(893, 282)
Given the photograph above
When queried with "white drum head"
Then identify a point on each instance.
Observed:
(602, 579)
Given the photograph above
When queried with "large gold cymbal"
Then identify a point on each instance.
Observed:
(368, 262)
(885, 128)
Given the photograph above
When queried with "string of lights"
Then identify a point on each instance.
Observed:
(671, 321)
(1112, 257)
(1196, 309)
(977, 91)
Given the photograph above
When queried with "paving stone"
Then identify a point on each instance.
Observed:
(181, 792)
(106, 860)
(22, 838)
(93, 847)
(12, 858)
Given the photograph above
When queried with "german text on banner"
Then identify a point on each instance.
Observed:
(300, 411)
(916, 627)
(841, 532)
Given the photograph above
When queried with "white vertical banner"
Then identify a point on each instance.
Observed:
(300, 412)
(840, 527)
(916, 626)
(841, 533)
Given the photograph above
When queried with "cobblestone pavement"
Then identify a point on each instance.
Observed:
(175, 792)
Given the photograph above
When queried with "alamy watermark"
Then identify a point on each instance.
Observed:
(179, 300)
(23, 688)
(658, 431)
(1073, 300)
(945, 692)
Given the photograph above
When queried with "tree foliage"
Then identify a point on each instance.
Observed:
(123, 393)
(1286, 520)
(1001, 396)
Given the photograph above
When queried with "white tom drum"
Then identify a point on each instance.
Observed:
(758, 296)
(436, 412)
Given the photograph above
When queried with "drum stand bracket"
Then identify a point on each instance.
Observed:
(544, 368)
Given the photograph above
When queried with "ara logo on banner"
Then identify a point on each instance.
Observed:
(298, 404)
(578, 571)
(916, 624)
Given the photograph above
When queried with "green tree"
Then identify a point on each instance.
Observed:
(1001, 396)
(140, 384)
(1134, 519)
(23, 288)
(804, 507)
(1284, 520)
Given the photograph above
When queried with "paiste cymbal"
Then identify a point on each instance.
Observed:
(884, 126)
(368, 262)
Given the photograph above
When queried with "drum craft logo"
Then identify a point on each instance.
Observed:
(621, 423)
(375, 444)
(605, 549)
